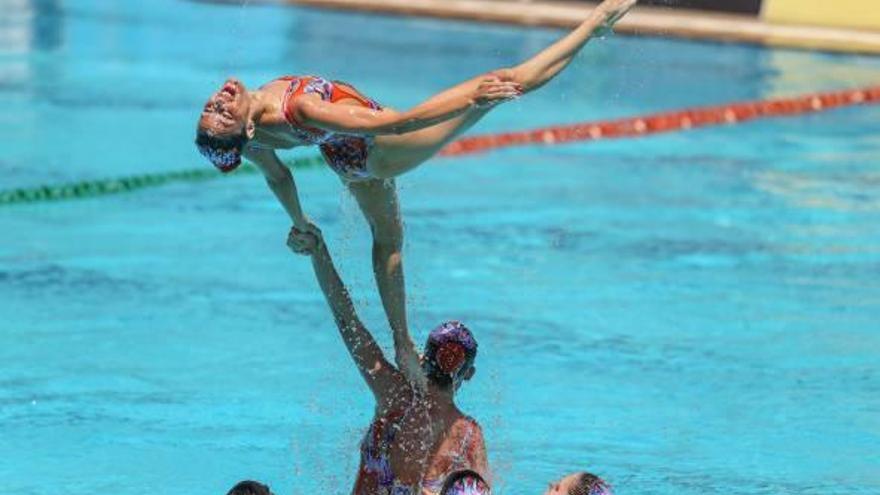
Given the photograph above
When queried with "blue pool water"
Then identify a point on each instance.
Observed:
(685, 314)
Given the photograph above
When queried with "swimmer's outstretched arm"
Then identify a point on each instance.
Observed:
(544, 66)
(279, 178)
(379, 374)
(313, 111)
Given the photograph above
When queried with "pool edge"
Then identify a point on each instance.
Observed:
(649, 21)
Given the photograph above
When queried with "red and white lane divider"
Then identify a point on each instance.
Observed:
(733, 113)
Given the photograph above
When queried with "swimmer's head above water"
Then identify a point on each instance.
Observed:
(249, 487)
(465, 482)
(451, 349)
(582, 483)
(449, 355)
(226, 125)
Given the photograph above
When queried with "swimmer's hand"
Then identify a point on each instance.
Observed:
(494, 90)
(305, 242)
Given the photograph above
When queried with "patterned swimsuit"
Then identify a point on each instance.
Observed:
(346, 154)
(461, 459)
(376, 475)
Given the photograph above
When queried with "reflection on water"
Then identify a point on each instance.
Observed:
(846, 191)
(793, 72)
(27, 26)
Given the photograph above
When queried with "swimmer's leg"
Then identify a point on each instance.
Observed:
(540, 69)
(394, 155)
(379, 204)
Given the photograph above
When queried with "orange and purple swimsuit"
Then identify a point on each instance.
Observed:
(375, 475)
(346, 154)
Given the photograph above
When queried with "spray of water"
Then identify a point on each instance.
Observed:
(237, 54)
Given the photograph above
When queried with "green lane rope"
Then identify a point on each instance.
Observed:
(105, 187)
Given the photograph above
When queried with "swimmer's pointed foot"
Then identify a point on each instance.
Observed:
(549, 62)
(614, 10)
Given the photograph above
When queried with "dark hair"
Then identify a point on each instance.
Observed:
(454, 480)
(450, 340)
(213, 141)
(248, 487)
(437, 376)
(589, 484)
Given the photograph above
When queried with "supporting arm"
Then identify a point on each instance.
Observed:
(380, 375)
(279, 178)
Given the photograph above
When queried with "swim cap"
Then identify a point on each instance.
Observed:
(600, 488)
(590, 484)
(226, 160)
(450, 356)
(465, 483)
(249, 487)
(224, 152)
(450, 347)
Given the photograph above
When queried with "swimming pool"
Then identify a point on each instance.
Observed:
(689, 313)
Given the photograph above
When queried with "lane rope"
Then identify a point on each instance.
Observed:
(633, 127)
(104, 187)
(692, 118)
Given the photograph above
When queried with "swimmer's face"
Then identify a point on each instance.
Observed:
(226, 111)
(564, 485)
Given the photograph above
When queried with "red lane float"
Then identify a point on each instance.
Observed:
(729, 114)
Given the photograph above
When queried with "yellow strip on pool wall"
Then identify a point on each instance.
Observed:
(863, 14)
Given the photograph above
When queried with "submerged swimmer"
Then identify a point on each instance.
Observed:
(471, 483)
(582, 483)
(369, 145)
(465, 483)
(417, 436)
(249, 487)
(468, 482)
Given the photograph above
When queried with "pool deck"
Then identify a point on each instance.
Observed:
(641, 21)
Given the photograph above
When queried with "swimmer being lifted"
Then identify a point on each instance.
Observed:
(369, 145)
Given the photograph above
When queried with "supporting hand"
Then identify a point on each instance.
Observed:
(305, 241)
(494, 90)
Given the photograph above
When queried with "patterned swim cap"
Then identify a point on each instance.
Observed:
(601, 488)
(450, 347)
(226, 160)
(590, 484)
(224, 152)
(465, 483)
